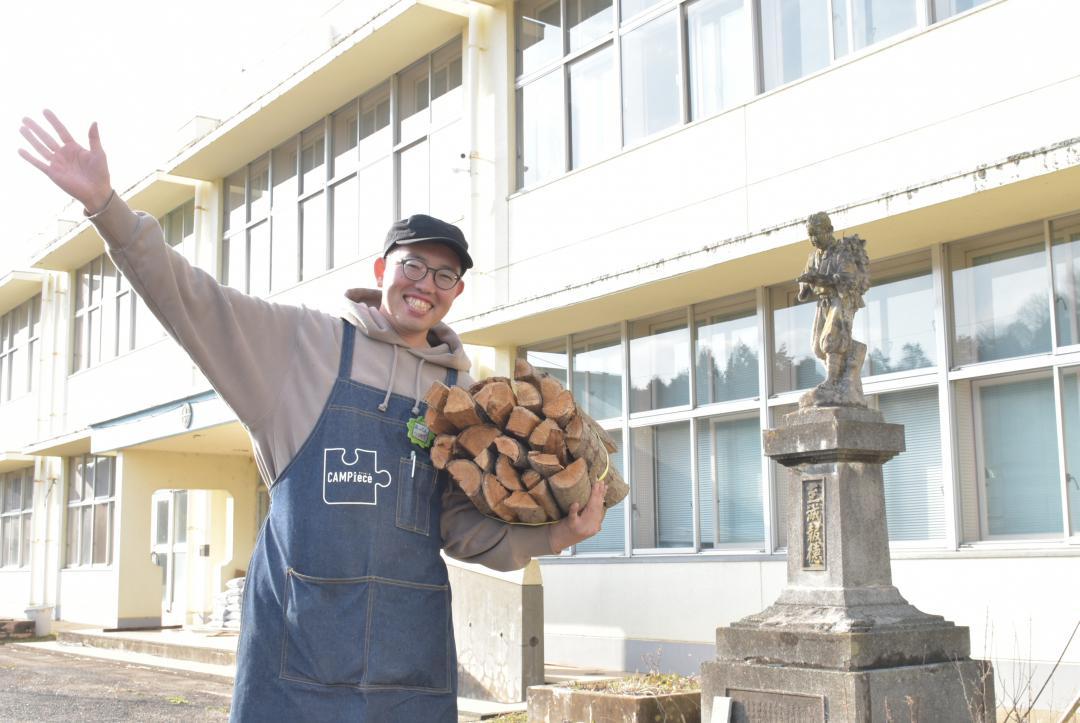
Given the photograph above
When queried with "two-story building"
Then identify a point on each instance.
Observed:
(634, 176)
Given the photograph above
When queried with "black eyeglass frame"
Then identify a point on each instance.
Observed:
(445, 271)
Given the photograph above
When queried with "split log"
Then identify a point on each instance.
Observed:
(507, 474)
(486, 460)
(550, 388)
(436, 395)
(514, 450)
(470, 479)
(528, 396)
(530, 478)
(575, 435)
(538, 440)
(522, 422)
(596, 455)
(571, 485)
(461, 409)
(545, 464)
(525, 508)
(495, 495)
(477, 386)
(476, 439)
(442, 451)
(524, 372)
(497, 401)
(561, 408)
(437, 423)
(541, 493)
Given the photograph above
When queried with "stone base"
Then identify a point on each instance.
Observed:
(953, 692)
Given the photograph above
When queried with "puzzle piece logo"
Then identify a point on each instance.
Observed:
(355, 482)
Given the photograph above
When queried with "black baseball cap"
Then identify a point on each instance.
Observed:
(421, 227)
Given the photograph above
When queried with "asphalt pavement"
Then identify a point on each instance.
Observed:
(37, 685)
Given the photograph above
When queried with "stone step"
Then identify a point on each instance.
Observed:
(177, 650)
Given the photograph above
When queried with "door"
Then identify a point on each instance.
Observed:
(170, 552)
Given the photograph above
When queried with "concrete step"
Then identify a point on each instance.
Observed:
(176, 645)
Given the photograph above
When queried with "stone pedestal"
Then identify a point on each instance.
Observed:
(841, 643)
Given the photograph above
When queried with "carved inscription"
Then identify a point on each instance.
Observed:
(756, 706)
(813, 524)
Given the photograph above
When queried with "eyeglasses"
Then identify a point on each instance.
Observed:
(416, 270)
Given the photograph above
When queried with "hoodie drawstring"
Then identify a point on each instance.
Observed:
(416, 390)
(390, 384)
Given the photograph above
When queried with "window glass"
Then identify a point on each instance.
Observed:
(794, 363)
(598, 363)
(1019, 457)
(629, 8)
(1000, 301)
(661, 487)
(1065, 250)
(729, 482)
(947, 8)
(719, 55)
(413, 95)
(235, 209)
(539, 33)
(180, 501)
(101, 533)
(345, 219)
(897, 324)
(593, 108)
(726, 354)
(376, 203)
(258, 189)
(659, 362)
(540, 131)
(312, 158)
(448, 173)
(375, 111)
(914, 498)
(611, 537)
(876, 20)
(1070, 407)
(587, 20)
(313, 237)
(9, 529)
(445, 70)
(285, 221)
(346, 125)
(414, 179)
(840, 27)
(548, 357)
(259, 260)
(794, 39)
(161, 517)
(650, 78)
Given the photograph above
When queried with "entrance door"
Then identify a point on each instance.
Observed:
(170, 552)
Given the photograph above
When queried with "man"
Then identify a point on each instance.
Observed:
(346, 605)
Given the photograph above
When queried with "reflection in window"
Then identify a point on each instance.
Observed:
(914, 499)
(947, 8)
(539, 34)
(540, 139)
(659, 363)
(598, 363)
(729, 482)
(312, 159)
(719, 55)
(794, 39)
(1000, 303)
(661, 487)
(1019, 455)
(587, 20)
(726, 355)
(650, 78)
(1070, 407)
(612, 534)
(549, 357)
(593, 108)
(897, 325)
(1065, 250)
(346, 125)
(794, 363)
(876, 20)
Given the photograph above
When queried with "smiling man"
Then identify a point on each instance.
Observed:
(346, 605)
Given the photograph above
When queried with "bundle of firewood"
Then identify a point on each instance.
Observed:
(521, 450)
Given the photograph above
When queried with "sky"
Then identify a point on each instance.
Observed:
(140, 68)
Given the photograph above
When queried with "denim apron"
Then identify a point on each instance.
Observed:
(346, 612)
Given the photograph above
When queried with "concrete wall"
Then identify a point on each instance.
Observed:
(14, 593)
(89, 596)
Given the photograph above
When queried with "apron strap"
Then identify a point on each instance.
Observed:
(451, 377)
(347, 339)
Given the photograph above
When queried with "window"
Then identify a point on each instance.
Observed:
(541, 136)
(1070, 407)
(947, 8)
(539, 33)
(90, 499)
(1000, 297)
(587, 20)
(794, 39)
(20, 341)
(719, 47)
(1065, 252)
(914, 497)
(660, 489)
(548, 357)
(598, 364)
(897, 324)
(794, 364)
(650, 78)
(325, 197)
(726, 352)
(16, 509)
(659, 362)
(730, 511)
(612, 536)
(593, 109)
(179, 228)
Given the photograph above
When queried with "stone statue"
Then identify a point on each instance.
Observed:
(838, 274)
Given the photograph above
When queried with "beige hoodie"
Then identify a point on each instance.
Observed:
(275, 364)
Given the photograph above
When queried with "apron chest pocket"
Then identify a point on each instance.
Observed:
(417, 481)
(367, 632)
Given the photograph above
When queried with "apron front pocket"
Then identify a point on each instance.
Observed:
(326, 629)
(410, 636)
(416, 483)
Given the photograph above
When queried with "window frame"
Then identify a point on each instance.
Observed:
(21, 516)
(76, 507)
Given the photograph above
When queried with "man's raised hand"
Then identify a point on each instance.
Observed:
(80, 172)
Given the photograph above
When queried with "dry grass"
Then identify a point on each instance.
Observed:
(645, 684)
